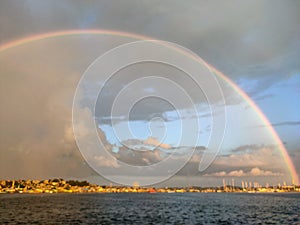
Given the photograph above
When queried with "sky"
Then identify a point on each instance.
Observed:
(253, 43)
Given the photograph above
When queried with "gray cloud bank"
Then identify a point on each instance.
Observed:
(248, 38)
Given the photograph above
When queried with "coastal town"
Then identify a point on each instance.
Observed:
(74, 186)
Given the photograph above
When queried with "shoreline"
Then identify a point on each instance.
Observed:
(74, 186)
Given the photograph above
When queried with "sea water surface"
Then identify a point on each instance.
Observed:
(146, 208)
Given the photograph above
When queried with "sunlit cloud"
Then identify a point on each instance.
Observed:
(254, 172)
(153, 141)
(264, 156)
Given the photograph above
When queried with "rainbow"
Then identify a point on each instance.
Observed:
(38, 37)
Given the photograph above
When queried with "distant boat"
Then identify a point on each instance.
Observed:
(152, 190)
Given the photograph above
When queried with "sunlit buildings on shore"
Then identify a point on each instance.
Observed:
(71, 186)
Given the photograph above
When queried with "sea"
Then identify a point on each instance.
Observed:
(150, 208)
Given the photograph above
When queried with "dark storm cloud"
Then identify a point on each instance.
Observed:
(151, 106)
(248, 38)
(37, 89)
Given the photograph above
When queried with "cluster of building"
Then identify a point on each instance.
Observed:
(257, 187)
(44, 186)
(71, 186)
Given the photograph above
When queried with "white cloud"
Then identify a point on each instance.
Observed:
(254, 172)
(154, 142)
(264, 156)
